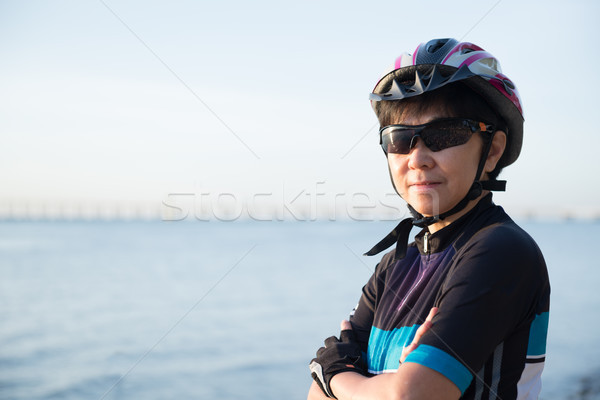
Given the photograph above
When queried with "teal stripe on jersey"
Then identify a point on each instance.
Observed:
(443, 363)
(537, 335)
(385, 347)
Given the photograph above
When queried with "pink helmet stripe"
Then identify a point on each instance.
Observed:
(414, 58)
(454, 50)
(475, 57)
(398, 62)
(462, 46)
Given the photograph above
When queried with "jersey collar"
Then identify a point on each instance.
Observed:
(441, 239)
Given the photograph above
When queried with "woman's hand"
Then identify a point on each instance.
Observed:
(420, 332)
(337, 356)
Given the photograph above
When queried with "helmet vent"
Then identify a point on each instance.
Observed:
(509, 84)
(436, 45)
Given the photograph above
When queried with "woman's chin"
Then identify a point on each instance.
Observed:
(427, 210)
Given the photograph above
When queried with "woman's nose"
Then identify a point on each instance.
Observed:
(420, 155)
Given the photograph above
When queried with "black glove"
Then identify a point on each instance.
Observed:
(337, 356)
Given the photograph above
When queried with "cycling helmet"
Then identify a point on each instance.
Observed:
(442, 61)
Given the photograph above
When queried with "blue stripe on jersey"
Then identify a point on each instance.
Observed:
(443, 363)
(385, 347)
(537, 335)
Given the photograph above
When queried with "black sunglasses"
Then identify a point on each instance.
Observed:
(437, 135)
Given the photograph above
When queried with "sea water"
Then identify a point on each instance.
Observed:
(206, 310)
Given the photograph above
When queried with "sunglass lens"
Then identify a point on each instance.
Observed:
(448, 135)
(397, 140)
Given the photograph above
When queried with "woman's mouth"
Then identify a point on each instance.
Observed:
(424, 185)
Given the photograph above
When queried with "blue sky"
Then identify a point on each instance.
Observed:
(128, 102)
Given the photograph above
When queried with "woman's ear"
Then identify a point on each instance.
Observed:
(496, 151)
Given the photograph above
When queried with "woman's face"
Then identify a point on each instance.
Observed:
(434, 182)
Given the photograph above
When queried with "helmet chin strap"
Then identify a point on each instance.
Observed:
(400, 234)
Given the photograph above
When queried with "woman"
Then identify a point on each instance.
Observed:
(450, 121)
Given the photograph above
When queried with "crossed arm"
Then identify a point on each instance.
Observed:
(411, 381)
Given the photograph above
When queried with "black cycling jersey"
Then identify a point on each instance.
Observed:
(489, 280)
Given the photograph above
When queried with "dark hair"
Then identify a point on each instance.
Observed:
(453, 100)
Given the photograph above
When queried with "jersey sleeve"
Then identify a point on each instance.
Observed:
(489, 295)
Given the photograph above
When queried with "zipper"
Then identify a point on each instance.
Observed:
(421, 274)
(413, 287)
